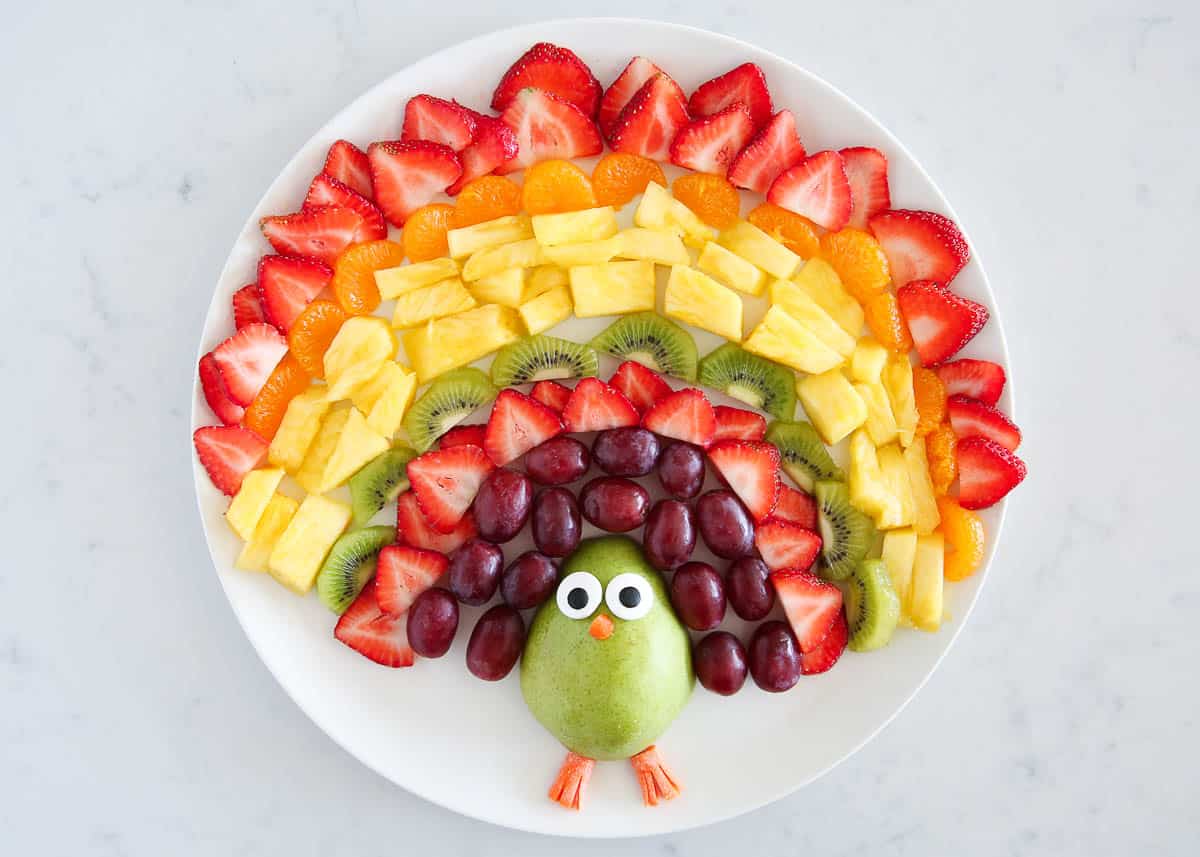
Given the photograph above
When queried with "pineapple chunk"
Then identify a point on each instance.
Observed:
(652, 245)
(519, 254)
(895, 478)
(319, 451)
(832, 405)
(926, 516)
(393, 282)
(867, 488)
(301, 549)
(301, 422)
(506, 288)
(386, 397)
(356, 445)
(457, 340)
(575, 227)
(899, 552)
(867, 361)
(898, 381)
(356, 353)
(731, 269)
(819, 281)
(275, 518)
(659, 210)
(781, 338)
(544, 278)
(881, 425)
(699, 300)
(251, 500)
(800, 306)
(586, 253)
(503, 230)
(752, 244)
(612, 288)
(437, 301)
(925, 595)
(546, 310)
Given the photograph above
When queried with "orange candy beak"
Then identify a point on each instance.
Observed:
(601, 627)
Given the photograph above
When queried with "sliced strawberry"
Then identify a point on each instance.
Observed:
(640, 384)
(816, 188)
(415, 530)
(972, 418)
(409, 174)
(547, 127)
(745, 84)
(216, 394)
(684, 415)
(247, 309)
(469, 435)
(445, 482)
(287, 284)
(796, 507)
(784, 545)
(828, 651)
(940, 322)
(320, 232)
(551, 69)
(739, 424)
(551, 394)
(378, 636)
(978, 379)
(518, 423)
(775, 148)
(494, 144)
(920, 245)
(595, 406)
(709, 144)
(986, 472)
(228, 453)
(866, 171)
(751, 469)
(651, 120)
(812, 605)
(439, 121)
(348, 164)
(326, 190)
(402, 573)
(621, 91)
(247, 358)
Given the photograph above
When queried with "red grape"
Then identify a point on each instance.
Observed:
(495, 643)
(698, 596)
(670, 534)
(529, 581)
(614, 503)
(557, 526)
(626, 451)
(720, 663)
(502, 505)
(432, 623)
(725, 525)
(681, 470)
(474, 571)
(774, 657)
(557, 461)
(751, 594)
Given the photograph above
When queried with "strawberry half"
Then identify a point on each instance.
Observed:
(410, 173)
(746, 85)
(920, 245)
(978, 379)
(595, 406)
(445, 482)
(326, 190)
(783, 544)
(551, 69)
(287, 284)
(374, 634)
(940, 322)
(986, 472)
(640, 384)
(547, 127)
(402, 573)
(348, 164)
(739, 424)
(415, 530)
(247, 358)
(494, 144)
(972, 418)
(247, 309)
(710, 144)
(796, 507)
(551, 394)
(817, 188)
(651, 120)
(866, 171)
(775, 148)
(216, 394)
(439, 121)
(228, 453)
(622, 90)
(811, 605)
(829, 650)
(751, 469)
(684, 415)
(469, 435)
(518, 424)
(321, 232)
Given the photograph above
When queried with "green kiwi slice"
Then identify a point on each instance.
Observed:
(802, 454)
(449, 400)
(846, 533)
(652, 340)
(350, 564)
(754, 380)
(872, 607)
(543, 358)
(378, 483)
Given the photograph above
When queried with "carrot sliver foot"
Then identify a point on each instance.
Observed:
(654, 778)
(571, 781)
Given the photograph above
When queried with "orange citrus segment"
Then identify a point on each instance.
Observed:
(424, 235)
(859, 261)
(485, 199)
(311, 333)
(940, 449)
(930, 395)
(794, 231)
(711, 198)
(620, 176)
(552, 187)
(354, 274)
(886, 323)
(286, 381)
(964, 537)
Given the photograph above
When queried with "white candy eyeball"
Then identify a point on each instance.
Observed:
(629, 596)
(579, 595)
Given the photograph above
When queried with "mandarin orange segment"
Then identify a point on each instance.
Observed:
(930, 395)
(710, 197)
(286, 381)
(354, 274)
(940, 450)
(794, 231)
(484, 199)
(887, 324)
(424, 235)
(859, 261)
(552, 187)
(964, 537)
(620, 176)
(311, 333)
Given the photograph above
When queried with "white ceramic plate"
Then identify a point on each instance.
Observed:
(472, 746)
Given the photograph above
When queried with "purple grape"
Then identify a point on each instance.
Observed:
(750, 593)
(614, 503)
(474, 571)
(681, 470)
(502, 505)
(774, 657)
(528, 581)
(626, 451)
(432, 623)
(496, 643)
(670, 534)
(698, 596)
(557, 525)
(557, 461)
(725, 525)
(720, 663)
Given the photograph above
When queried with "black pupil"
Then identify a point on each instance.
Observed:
(630, 596)
(577, 598)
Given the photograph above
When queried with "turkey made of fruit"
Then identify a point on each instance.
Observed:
(854, 320)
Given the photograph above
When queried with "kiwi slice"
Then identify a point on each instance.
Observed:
(652, 340)
(543, 358)
(802, 454)
(752, 379)
(846, 533)
(379, 482)
(872, 606)
(449, 400)
(350, 564)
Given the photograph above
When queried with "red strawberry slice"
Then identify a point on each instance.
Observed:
(402, 573)
(684, 415)
(775, 148)
(348, 164)
(828, 651)
(247, 358)
(940, 322)
(751, 469)
(640, 384)
(796, 507)
(651, 120)
(784, 545)
(920, 245)
(986, 472)
(445, 482)
(972, 418)
(518, 424)
(745, 84)
(811, 605)
(494, 144)
(709, 144)
(320, 232)
(326, 190)
(817, 188)
(415, 530)
(287, 284)
(866, 170)
(551, 394)
(228, 453)
(551, 69)
(247, 309)
(469, 435)
(547, 127)
(978, 379)
(409, 174)
(215, 393)
(739, 424)
(595, 406)
(378, 636)
(439, 121)
(621, 91)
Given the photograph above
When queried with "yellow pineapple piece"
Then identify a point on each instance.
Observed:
(899, 553)
(659, 210)
(699, 300)
(437, 301)
(819, 281)
(925, 597)
(926, 516)
(729, 268)
(895, 478)
(612, 288)
(356, 353)
(386, 397)
(797, 303)
(393, 282)
(302, 547)
(898, 381)
(832, 405)
(456, 340)
(542, 279)
(275, 518)
(781, 338)
(503, 230)
(575, 227)
(301, 422)
(585, 253)
(868, 360)
(867, 489)
(356, 445)
(752, 244)
(518, 254)
(313, 467)
(546, 310)
(880, 425)
(652, 245)
(506, 288)
(248, 504)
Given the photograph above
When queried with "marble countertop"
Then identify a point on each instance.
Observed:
(135, 718)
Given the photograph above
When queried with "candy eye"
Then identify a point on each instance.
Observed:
(629, 596)
(579, 595)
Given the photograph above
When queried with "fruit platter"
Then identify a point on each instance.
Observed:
(602, 428)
